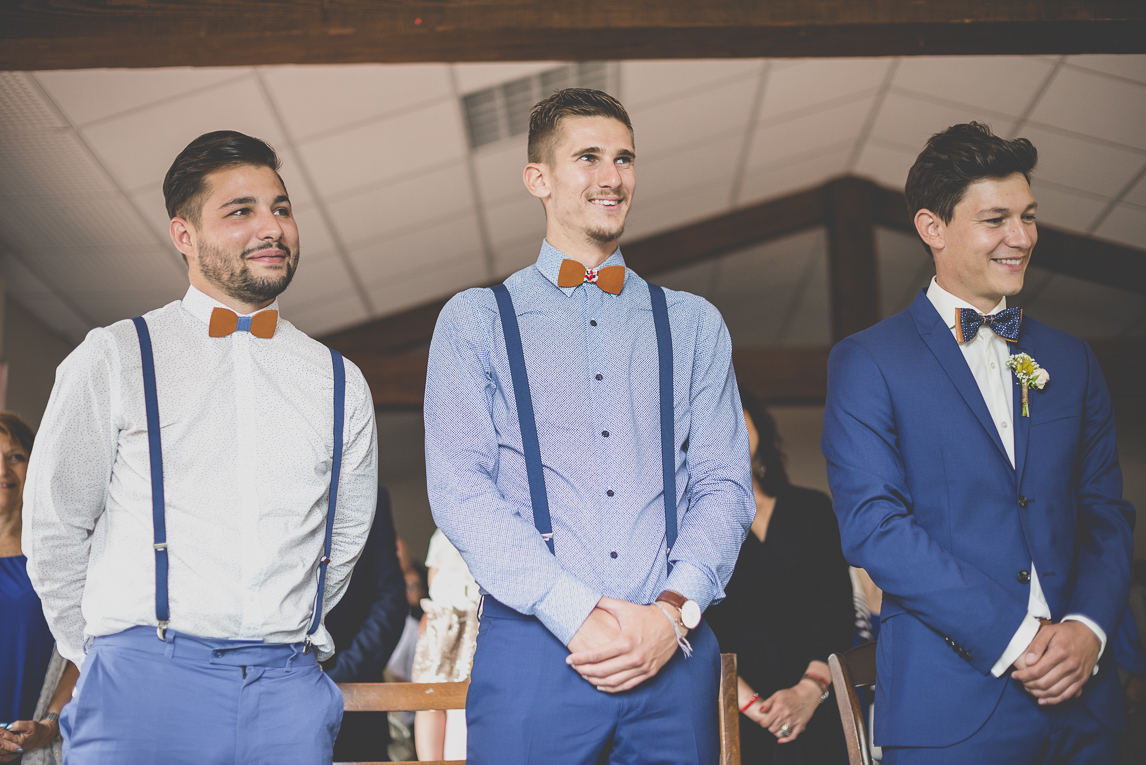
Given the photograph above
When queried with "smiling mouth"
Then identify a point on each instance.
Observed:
(1009, 261)
(607, 202)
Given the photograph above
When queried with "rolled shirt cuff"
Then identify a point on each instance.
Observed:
(1022, 638)
(692, 582)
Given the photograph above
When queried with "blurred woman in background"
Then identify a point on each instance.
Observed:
(788, 607)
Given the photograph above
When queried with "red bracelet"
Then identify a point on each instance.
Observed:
(820, 681)
(750, 701)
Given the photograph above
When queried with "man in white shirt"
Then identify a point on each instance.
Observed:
(973, 462)
(204, 479)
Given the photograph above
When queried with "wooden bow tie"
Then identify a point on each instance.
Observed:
(224, 322)
(610, 278)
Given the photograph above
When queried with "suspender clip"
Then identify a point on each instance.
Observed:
(160, 546)
(325, 560)
(547, 537)
(161, 630)
(306, 648)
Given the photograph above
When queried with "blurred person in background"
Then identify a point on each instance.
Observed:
(35, 682)
(788, 607)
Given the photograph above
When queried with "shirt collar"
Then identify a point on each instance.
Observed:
(200, 305)
(549, 264)
(946, 303)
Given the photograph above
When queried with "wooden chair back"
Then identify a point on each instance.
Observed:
(418, 697)
(850, 670)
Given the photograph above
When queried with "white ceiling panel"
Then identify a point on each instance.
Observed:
(471, 77)
(87, 95)
(674, 209)
(328, 316)
(679, 174)
(1132, 67)
(1095, 105)
(778, 141)
(797, 173)
(910, 121)
(649, 82)
(314, 235)
(1126, 224)
(427, 196)
(515, 256)
(904, 269)
(385, 150)
(321, 278)
(510, 223)
(137, 148)
(1087, 165)
(886, 164)
(499, 171)
(108, 307)
(1066, 208)
(148, 201)
(813, 82)
(23, 107)
(76, 273)
(50, 163)
(691, 120)
(87, 224)
(1000, 84)
(318, 99)
(380, 261)
(1137, 194)
(437, 280)
(57, 315)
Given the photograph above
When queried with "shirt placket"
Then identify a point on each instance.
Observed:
(245, 483)
(600, 334)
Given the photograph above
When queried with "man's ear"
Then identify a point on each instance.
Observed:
(931, 229)
(536, 177)
(183, 236)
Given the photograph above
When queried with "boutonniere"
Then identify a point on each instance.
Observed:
(1028, 374)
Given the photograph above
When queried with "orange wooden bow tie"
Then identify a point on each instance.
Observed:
(224, 322)
(610, 278)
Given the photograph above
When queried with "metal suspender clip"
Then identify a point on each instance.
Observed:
(306, 648)
(160, 546)
(161, 631)
(547, 537)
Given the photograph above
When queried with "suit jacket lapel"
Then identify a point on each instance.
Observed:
(1022, 429)
(933, 330)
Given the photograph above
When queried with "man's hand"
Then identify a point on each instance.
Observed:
(1058, 662)
(598, 629)
(645, 643)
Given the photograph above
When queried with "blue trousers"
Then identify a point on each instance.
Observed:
(1020, 732)
(526, 705)
(140, 701)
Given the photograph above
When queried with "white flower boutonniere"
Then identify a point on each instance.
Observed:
(1028, 374)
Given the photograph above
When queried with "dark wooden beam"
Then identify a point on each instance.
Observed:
(52, 34)
(853, 273)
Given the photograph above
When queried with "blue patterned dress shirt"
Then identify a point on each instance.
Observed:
(593, 373)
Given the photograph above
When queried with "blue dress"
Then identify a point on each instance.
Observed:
(25, 641)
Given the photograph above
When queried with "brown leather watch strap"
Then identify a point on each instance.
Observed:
(673, 598)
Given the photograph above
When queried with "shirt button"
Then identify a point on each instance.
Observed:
(992, 365)
(605, 433)
(609, 493)
(613, 554)
(592, 322)
(1002, 425)
(600, 377)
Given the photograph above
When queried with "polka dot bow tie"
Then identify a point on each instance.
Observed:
(224, 322)
(1005, 324)
(610, 278)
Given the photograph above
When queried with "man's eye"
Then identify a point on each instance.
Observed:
(240, 211)
(284, 212)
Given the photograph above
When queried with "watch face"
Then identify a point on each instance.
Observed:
(690, 614)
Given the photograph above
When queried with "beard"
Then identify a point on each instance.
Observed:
(233, 276)
(604, 236)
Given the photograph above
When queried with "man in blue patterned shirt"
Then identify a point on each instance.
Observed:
(585, 603)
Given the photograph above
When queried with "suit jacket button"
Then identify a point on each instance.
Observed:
(1024, 577)
(1023, 502)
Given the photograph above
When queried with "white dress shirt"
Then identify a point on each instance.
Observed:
(247, 431)
(987, 355)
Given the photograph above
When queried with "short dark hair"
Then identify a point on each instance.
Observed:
(186, 184)
(957, 157)
(768, 461)
(14, 427)
(546, 116)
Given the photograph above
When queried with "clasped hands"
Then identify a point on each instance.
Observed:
(1058, 662)
(25, 734)
(621, 644)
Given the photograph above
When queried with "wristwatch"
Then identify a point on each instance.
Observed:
(689, 610)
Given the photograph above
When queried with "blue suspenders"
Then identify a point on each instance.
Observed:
(155, 447)
(529, 442)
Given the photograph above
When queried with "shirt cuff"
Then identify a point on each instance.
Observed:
(1023, 637)
(692, 582)
(566, 606)
(1096, 630)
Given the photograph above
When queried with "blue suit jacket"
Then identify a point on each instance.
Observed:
(930, 505)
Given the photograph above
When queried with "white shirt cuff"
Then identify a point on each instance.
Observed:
(1093, 628)
(1023, 637)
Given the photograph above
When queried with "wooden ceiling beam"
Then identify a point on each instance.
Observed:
(48, 34)
(853, 268)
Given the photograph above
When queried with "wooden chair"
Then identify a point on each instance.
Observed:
(850, 670)
(419, 697)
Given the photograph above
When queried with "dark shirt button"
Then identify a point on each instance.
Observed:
(613, 554)
(609, 492)
(1023, 501)
(605, 433)
(600, 377)
(593, 323)
(1024, 577)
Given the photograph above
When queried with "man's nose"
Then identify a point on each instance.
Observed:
(270, 227)
(1019, 235)
(609, 177)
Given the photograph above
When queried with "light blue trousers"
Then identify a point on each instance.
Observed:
(141, 701)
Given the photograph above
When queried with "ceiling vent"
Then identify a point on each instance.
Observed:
(502, 111)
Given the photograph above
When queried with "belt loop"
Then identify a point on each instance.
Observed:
(169, 652)
(294, 654)
(88, 644)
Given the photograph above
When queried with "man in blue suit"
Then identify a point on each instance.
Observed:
(991, 515)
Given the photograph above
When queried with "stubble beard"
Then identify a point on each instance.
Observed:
(234, 277)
